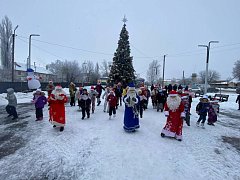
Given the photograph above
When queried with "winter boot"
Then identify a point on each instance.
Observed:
(162, 134)
(83, 118)
(202, 125)
(197, 124)
(88, 116)
(61, 128)
(54, 126)
(14, 118)
(99, 102)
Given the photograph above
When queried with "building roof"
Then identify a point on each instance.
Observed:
(23, 67)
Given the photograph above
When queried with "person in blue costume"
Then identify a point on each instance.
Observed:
(131, 119)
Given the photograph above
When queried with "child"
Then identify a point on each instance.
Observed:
(202, 109)
(39, 100)
(140, 105)
(93, 94)
(72, 91)
(112, 103)
(154, 97)
(186, 103)
(85, 103)
(12, 103)
(161, 100)
(105, 95)
(78, 94)
(212, 112)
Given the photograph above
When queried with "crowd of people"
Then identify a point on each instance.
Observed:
(175, 101)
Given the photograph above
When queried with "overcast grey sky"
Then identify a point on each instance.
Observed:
(156, 27)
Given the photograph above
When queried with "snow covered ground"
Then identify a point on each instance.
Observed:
(98, 148)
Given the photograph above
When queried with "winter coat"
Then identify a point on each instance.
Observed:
(238, 99)
(72, 90)
(142, 100)
(185, 101)
(118, 91)
(112, 100)
(152, 87)
(169, 88)
(85, 101)
(161, 97)
(40, 100)
(78, 94)
(12, 100)
(202, 108)
(50, 88)
(212, 113)
(93, 94)
(105, 95)
(124, 93)
(99, 89)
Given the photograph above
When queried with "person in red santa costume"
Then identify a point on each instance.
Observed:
(57, 109)
(174, 111)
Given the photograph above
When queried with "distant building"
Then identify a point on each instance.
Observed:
(20, 73)
(226, 84)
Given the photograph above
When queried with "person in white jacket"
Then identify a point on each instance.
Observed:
(105, 95)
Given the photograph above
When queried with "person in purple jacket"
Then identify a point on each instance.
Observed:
(39, 100)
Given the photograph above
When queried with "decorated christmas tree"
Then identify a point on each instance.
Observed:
(122, 68)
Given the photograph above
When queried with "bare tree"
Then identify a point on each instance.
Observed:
(56, 68)
(236, 70)
(212, 76)
(153, 73)
(68, 71)
(6, 42)
(105, 68)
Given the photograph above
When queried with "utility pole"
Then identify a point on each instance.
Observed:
(207, 61)
(183, 78)
(13, 45)
(163, 69)
(29, 51)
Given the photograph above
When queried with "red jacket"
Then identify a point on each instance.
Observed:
(112, 100)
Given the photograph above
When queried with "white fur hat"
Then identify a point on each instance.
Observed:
(205, 97)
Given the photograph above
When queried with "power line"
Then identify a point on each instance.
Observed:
(42, 49)
(180, 54)
(69, 47)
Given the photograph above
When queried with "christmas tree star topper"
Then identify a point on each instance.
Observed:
(124, 19)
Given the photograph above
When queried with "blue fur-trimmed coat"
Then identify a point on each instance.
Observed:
(131, 119)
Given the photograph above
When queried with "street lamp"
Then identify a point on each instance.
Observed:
(13, 45)
(164, 57)
(29, 55)
(207, 61)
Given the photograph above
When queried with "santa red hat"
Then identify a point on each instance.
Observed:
(92, 87)
(173, 93)
(58, 87)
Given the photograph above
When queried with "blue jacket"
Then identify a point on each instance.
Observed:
(202, 108)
